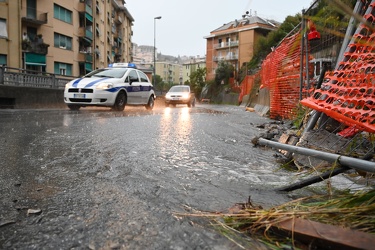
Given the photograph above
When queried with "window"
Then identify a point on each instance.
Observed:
(133, 76)
(63, 69)
(97, 30)
(62, 13)
(62, 42)
(143, 76)
(3, 28)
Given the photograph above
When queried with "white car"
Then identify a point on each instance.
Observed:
(116, 86)
(180, 94)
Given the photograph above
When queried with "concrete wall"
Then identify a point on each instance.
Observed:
(24, 97)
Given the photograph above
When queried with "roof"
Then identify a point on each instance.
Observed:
(251, 20)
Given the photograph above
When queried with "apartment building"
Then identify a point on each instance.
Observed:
(67, 37)
(169, 72)
(234, 42)
(192, 65)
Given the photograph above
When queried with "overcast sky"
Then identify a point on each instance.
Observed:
(185, 23)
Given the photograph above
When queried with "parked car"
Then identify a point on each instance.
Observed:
(116, 86)
(180, 94)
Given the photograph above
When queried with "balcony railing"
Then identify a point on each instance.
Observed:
(226, 44)
(37, 47)
(35, 17)
(28, 78)
(227, 57)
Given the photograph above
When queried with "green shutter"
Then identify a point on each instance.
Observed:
(3, 59)
(35, 59)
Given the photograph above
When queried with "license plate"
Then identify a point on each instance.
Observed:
(79, 95)
(175, 98)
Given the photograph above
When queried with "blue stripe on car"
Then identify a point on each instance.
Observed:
(115, 89)
(75, 83)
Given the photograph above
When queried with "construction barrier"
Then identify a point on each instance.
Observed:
(280, 73)
(348, 93)
(246, 85)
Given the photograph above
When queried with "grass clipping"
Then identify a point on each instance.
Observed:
(352, 210)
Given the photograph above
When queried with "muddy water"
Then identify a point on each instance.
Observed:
(115, 180)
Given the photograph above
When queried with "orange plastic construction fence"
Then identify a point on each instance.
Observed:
(280, 73)
(347, 94)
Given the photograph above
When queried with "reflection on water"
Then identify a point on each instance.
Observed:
(175, 129)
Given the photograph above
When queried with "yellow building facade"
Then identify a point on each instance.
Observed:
(169, 72)
(191, 66)
(67, 37)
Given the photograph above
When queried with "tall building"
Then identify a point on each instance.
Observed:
(234, 42)
(67, 37)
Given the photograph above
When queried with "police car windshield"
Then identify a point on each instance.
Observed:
(110, 72)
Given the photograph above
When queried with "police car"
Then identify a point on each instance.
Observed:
(116, 86)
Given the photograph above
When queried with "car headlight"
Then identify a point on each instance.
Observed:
(67, 85)
(168, 96)
(104, 85)
(185, 95)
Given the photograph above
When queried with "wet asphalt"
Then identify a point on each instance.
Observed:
(98, 179)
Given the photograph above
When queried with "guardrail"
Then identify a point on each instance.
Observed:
(29, 78)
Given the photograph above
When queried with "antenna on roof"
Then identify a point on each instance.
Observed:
(247, 14)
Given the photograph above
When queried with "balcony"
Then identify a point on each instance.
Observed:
(88, 34)
(88, 9)
(32, 16)
(119, 52)
(118, 20)
(37, 47)
(89, 58)
(85, 35)
(230, 56)
(224, 45)
(85, 58)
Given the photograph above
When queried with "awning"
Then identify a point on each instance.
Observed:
(35, 64)
(35, 59)
(3, 59)
(88, 17)
(88, 66)
(87, 40)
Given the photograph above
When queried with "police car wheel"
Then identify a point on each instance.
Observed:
(150, 103)
(120, 102)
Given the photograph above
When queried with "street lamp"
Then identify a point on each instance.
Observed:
(154, 69)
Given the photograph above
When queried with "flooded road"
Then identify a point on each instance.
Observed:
(97, 179)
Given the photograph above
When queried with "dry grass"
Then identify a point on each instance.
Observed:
(352, 210)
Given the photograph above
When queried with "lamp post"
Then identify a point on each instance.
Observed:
(154, 69)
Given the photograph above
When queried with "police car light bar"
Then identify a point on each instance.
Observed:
(123, 65)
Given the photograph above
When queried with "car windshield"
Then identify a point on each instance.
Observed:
(179, 89)
(111, 73)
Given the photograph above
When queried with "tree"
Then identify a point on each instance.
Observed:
(197, 81)
(159, 83)
(223, 72)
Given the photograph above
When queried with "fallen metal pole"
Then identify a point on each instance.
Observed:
(314, 179)
(346, 161)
